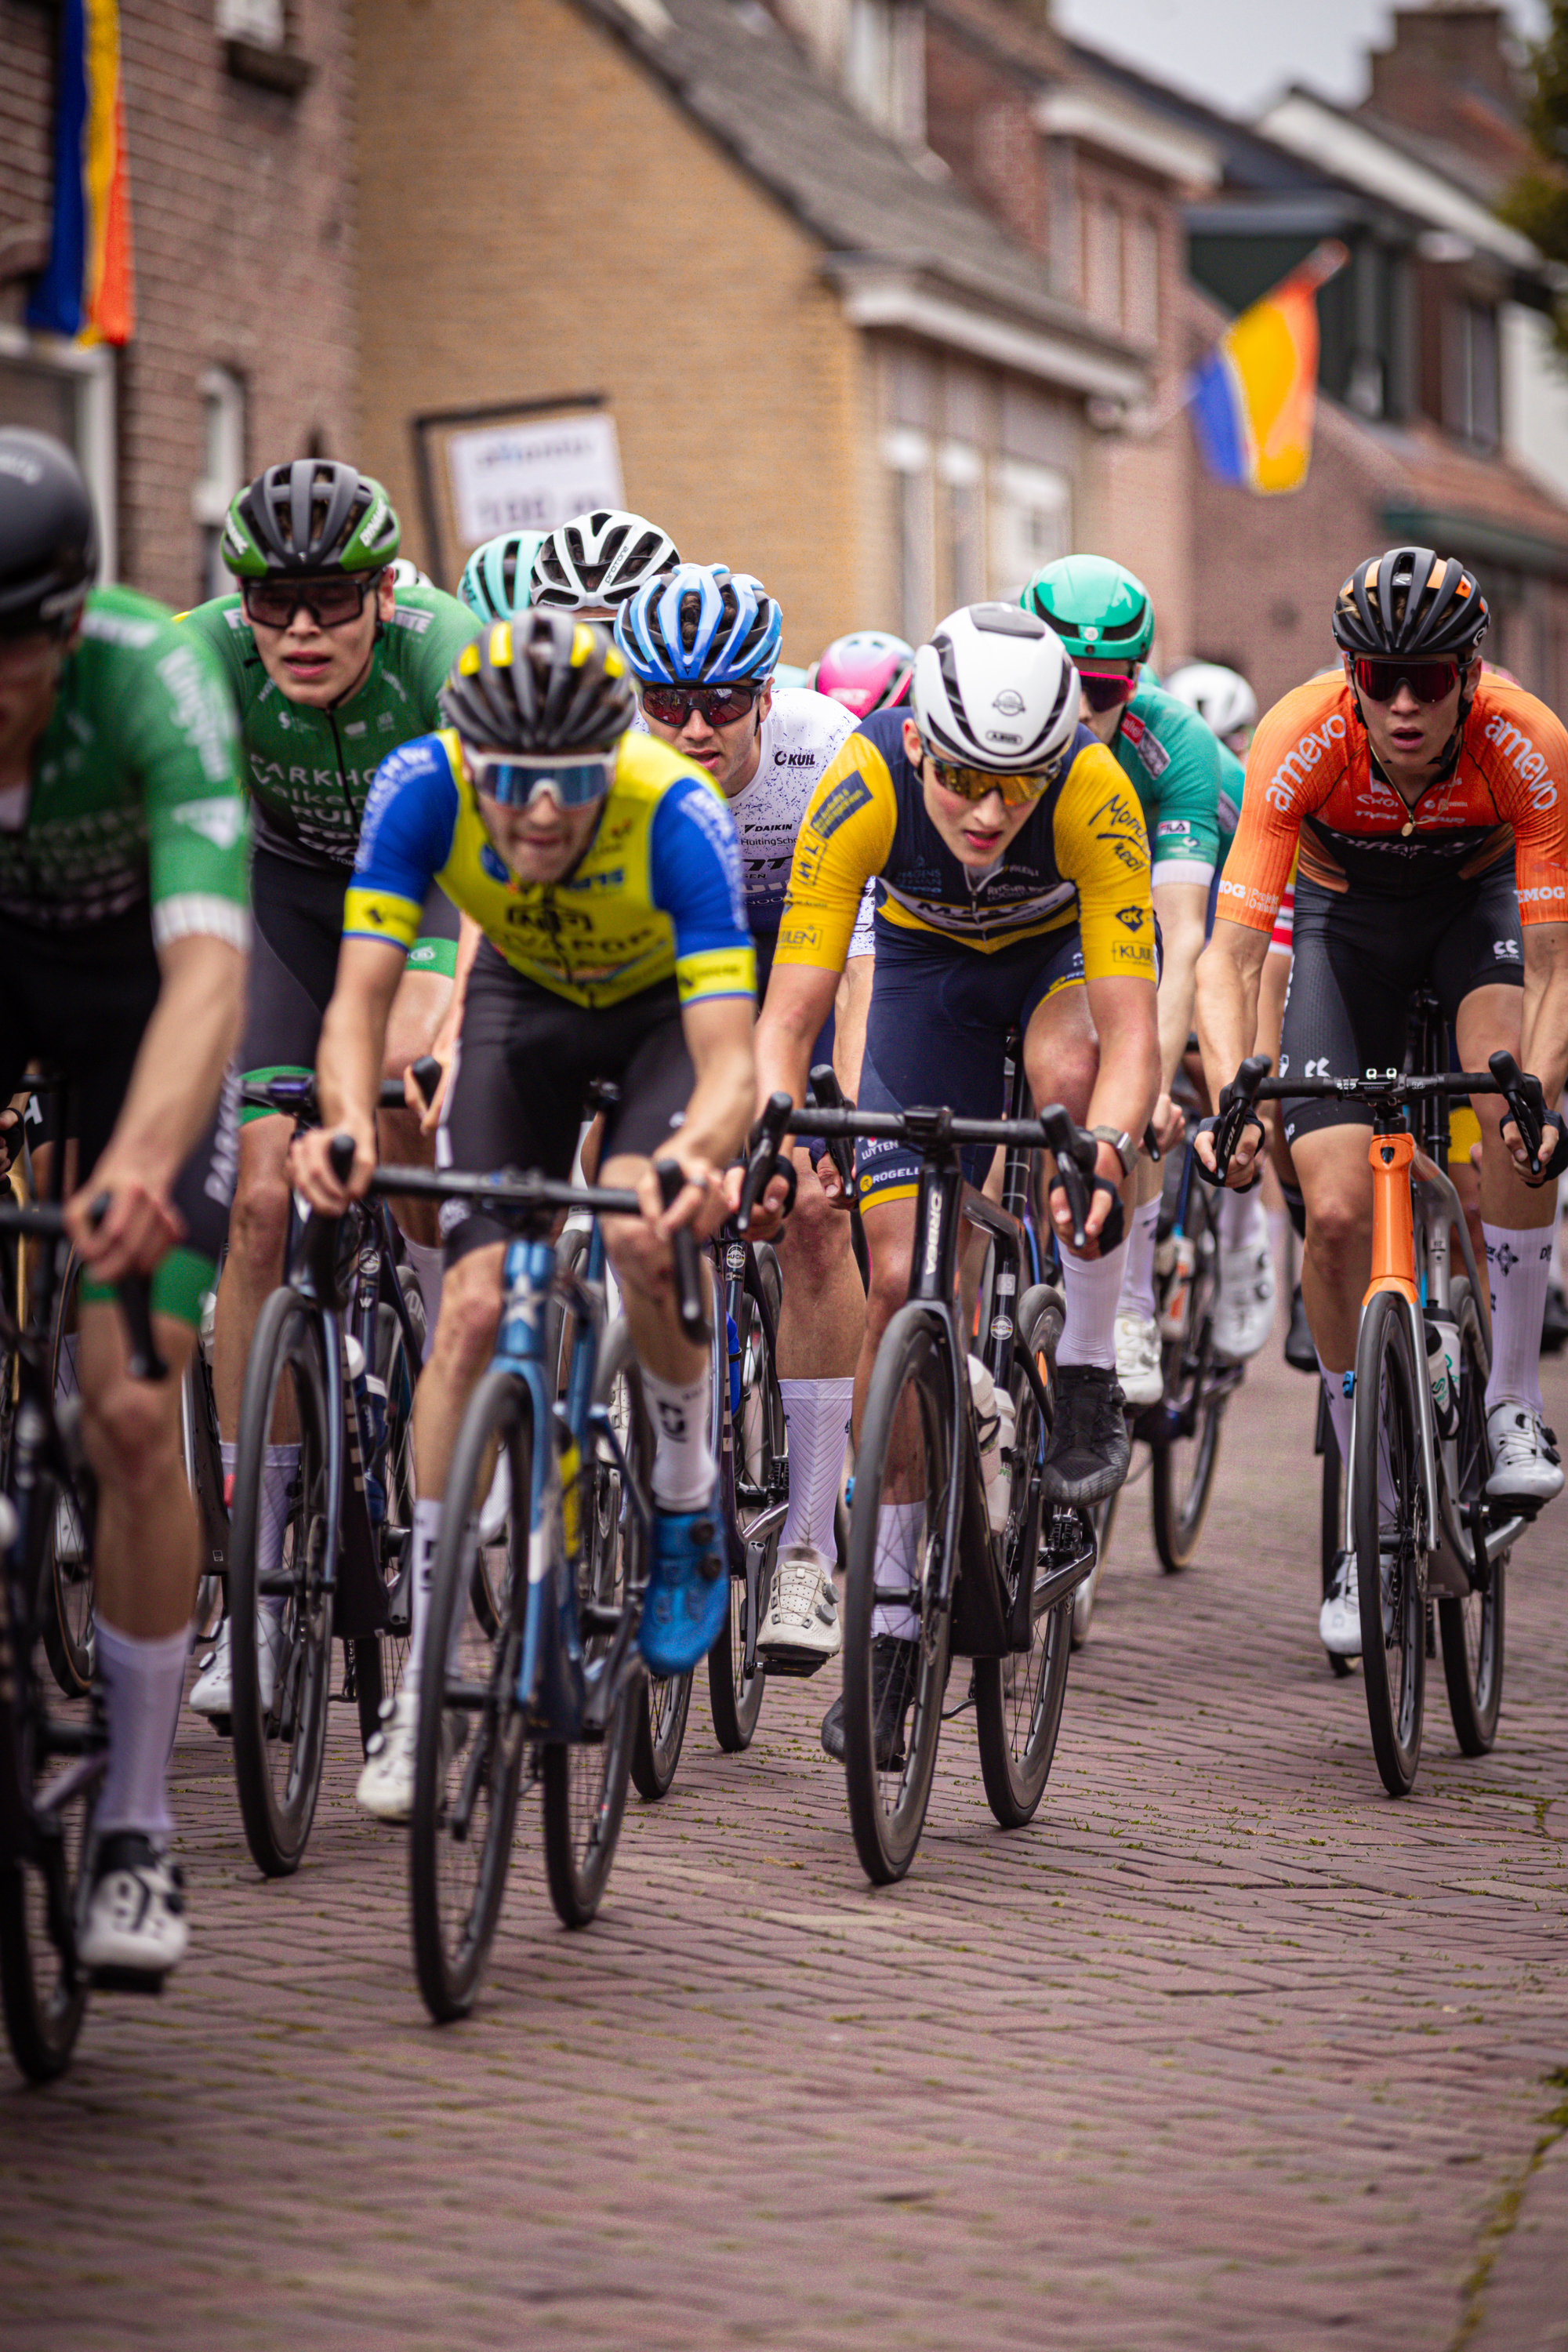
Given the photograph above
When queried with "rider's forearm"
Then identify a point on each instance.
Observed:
(446, 1037)
(721, 1106)
(348, 1064)
(1544, 1042)
(1128, 1082)
(1226, 1005)
(799, 1000)
(852, 1005)
(185, 1049)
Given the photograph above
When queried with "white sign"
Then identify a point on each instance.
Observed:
(533, 476)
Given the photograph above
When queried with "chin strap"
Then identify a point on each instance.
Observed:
(1447, 757)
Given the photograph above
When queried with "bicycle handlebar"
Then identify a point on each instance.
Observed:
(763, 1160)
(297, 1097)
(691, 1298)
(828, 1094)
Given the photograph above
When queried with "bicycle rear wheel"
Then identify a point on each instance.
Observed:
(1387, 1522)
(469, 1760)
(1018, 1698)
(66, 1610)
(1472, 1629)
(735, 1689)
(381, 1660)
(1103, 1519)
(1182, 1463)
(892, 1696)
(279, 1749)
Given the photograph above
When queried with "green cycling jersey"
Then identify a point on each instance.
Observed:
(309, 772)
(134, 797)
(1173, 762)
(1231, 778)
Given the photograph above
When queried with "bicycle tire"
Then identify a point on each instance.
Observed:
(1018, 1698)
(66, 1609)
(1330, 1517)
(1102, 1517)
(736, 1696)
(585, 1783)
(469, 1761)
(380, 1660)
(663, 1701)
(1182, 1470)
(909, 1408)
(292, 1731)
(1472, 1629)
(1386, 1435)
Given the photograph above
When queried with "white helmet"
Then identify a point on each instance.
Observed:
(598, 559)
(1222, 696)
(995, 688)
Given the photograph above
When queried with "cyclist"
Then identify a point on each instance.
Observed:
(603, 870)
(1105, 619)
(495, 581)
(596, 563)
(702, 647)
(1012, 869)
(1428, 802)
(123, 935)
(868, 670)
(332, 666)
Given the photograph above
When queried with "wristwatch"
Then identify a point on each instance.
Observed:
(1121, 1143)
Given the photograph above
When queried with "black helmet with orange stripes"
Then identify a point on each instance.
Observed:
(1408, 601)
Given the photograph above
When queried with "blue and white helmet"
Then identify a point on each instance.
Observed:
(702, 626)
(495, 578)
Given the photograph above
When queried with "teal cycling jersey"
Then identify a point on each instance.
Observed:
(1232, 781)
(1173, 762)
(309, 772)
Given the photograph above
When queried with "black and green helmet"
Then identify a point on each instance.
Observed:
(1097, 608)
(310, 516)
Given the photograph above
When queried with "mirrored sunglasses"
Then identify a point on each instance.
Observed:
(1428, 681)
(720, 706)
(572, 783)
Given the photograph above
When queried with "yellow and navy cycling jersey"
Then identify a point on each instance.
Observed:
(656, 894)
(1082, 857)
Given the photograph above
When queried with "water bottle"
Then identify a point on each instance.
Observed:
(1178, 1296)
(1443, 1368)
(370, 1407)
(997, 1430)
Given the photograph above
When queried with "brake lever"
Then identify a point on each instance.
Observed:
(1526, 1103)
(1065, 1142)
(135, 1295)
(828, 1092)
(762, 1156)
(690, 1302)
(1225, 1128)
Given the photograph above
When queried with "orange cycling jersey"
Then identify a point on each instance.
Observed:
(1311, 785)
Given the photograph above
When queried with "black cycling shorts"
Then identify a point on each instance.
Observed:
(76, 1002)
(525, 1061)
(1357, 962)
(297, 916)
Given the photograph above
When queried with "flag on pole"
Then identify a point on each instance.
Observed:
(1254, 397)
(87, 289)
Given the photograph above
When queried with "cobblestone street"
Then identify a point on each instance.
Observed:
(1227, 2050)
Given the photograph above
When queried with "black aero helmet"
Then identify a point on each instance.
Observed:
(543, 682)
(48, 534)
(1409, 601)
(310, 516)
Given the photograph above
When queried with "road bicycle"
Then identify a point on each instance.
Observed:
(1000, 1595)
(1416, 1516)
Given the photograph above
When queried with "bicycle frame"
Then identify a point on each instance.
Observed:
(744, 1556)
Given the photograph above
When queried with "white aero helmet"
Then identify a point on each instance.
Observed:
(995, 688)
(599, 559)
(1221, 697)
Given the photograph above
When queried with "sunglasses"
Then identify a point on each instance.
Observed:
(1428, 681)
(330, 603)
(977, 783)
(571, 783)
(720, 706)
(1103, 689)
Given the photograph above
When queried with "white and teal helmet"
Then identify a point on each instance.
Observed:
(495, 581)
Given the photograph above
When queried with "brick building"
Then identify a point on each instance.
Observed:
(239, 138)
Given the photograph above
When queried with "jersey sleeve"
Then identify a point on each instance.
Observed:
(1288, 775)
(441, 627)
(1530, 785)
(843, 840)
(182, 738)
(1102, 848)
(406, 840)
(694, 877)
(218, 625)
(1185, 841)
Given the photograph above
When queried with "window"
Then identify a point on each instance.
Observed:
(1470, 388)
(260, 21)
(1142, 313)
(884, 65)
(959, 466)
(1031, 523)
(907, 455)
(223, 470)
(67, 389)
(1102, 260)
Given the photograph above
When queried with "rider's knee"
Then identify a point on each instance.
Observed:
(1338, 1222)
(640, 1259)
(132, 1438)
(890, 1264)
(817, 1236)
(258, 1220)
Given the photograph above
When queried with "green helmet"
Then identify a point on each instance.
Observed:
(495, 582)
(310, 517)
(1095, 607)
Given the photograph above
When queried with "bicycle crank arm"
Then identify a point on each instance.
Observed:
(1056, 1583)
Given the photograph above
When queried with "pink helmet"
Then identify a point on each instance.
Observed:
(867, 670)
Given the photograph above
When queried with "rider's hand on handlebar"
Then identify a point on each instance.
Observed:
(1168, 1123)
(140, 1227)
(1552, 1134)
(1101, 1200)
(1244, 1159)
(768, 1216)
(310, 1169)
(700, 1203)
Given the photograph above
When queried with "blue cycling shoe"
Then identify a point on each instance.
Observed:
(686, 1603)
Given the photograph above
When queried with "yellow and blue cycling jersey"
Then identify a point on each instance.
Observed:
(1081, 857)
(657, 894)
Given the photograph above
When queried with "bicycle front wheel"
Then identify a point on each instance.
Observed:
(469, 1758)
(1182, 1463)
(737, 1679)
(66, 1596)
(1330, 1513)
(380, 1660)
(897, 1627)
(1387, 1520)
(1472, 1629)
(280, 1740)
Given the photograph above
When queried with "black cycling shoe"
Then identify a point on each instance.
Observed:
(1089, 1451)
(1299, 1352)
(1554, 1328)
(893, 1670)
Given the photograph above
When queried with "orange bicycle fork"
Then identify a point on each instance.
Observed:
(1393, 1268)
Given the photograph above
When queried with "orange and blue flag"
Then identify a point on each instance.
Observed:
(87, 289)
(1254, 398)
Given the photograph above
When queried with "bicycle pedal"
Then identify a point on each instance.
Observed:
(797, 1667)
(142, 1981)
(223, 1724)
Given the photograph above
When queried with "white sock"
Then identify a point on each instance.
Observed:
(816, 1415)
(897, 1533)
(1093, 1286)
(424, 1535)
(141, 1683)
(1519, 1266)
(1338, 1389)
(427, 1259)
(1243, 1219)
(683, 1465)
(1557, 1230)
(1138, 1279)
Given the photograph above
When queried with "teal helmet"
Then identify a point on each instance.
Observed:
(495, 578)
(1099, 609)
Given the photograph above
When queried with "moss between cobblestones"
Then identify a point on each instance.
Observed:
(1506, 2213)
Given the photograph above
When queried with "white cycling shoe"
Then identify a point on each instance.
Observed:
(800, 1620)
(134, 1925)
(385, 1785)
(212, 1690)
(1138, 1359)
(1526, 1466)
(1244, 1311)
(1339, 1619)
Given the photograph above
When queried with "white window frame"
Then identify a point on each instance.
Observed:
(223, 405)
(907, 454)
(1031, 522)
(263, 23)
(91, 368)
